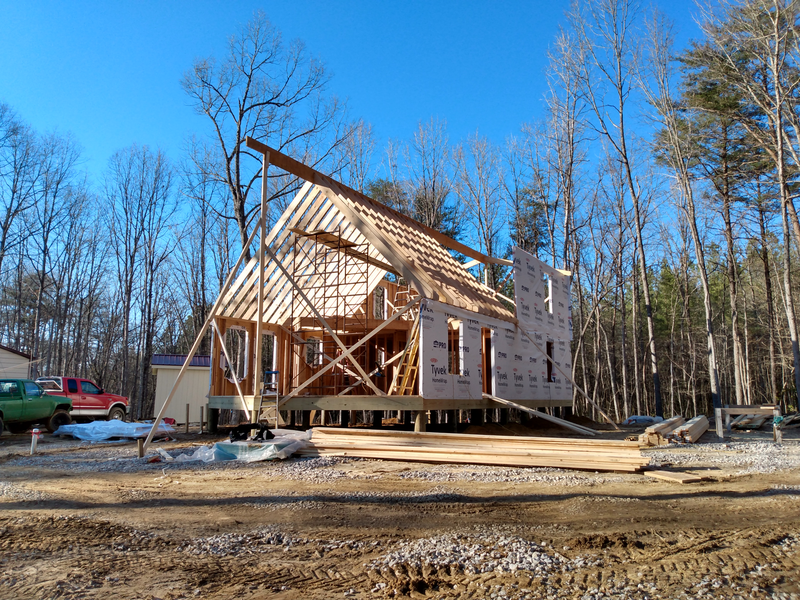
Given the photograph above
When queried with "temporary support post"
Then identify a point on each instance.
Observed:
(199, 339)
(421, 421)
(257, 387)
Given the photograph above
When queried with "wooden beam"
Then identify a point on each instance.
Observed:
(560, 422)
(193, 350)
(298, 169)
(260, 301)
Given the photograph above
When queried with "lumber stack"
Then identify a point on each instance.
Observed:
(691, 431)
(749, 421)
(514, 451)
(657, 435)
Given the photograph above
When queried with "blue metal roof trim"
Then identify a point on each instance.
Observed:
(177, 360)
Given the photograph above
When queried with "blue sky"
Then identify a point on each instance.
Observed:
(109, 72)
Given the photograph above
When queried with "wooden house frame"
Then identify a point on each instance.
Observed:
(346, 337)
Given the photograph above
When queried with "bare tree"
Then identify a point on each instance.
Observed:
(137, 190)
(478, 186)
(268, 90)
(58, 159)
(357, 149)
(608, 60)
(19, 166)
(430, 178)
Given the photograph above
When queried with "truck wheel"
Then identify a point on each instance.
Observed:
(1, 425)
(18, 427)
(116, 414)
(59, 418)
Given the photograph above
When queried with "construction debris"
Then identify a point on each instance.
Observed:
(517, 451)
(749, 421)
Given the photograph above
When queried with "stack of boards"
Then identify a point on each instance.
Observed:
(514, 451)
(750, 421)
(676, 429)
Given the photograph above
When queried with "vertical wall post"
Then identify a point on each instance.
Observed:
(257, 387)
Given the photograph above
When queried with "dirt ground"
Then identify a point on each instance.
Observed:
(92, 521)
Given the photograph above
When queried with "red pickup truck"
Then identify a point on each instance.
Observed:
(88, 399)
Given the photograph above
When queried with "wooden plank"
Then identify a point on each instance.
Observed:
(495, 460)
(674, 476)
(257, 387)
(196, 345)
(605, 455)
(666, 425)
(454, 437)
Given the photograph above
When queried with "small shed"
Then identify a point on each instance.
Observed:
(193, 389)
(14, 363)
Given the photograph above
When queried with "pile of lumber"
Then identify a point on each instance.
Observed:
(749, 421)
(515, 451)
(791, 421)
(691, 431)
(657, 435)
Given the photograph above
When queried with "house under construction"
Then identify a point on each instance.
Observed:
(368, 310)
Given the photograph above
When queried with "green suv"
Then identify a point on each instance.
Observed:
(24, 403)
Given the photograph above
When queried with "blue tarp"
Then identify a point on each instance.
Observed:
(98, 431)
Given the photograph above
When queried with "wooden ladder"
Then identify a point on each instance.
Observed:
(266, 409)
(410, 366)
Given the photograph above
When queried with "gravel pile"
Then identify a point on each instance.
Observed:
(236, 544)
(473, 553)
(11, 491)
(748, 457)
(263, 540)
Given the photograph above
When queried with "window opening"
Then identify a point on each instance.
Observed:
(89, 388)
(454, 349)
(548, 296)
(550, 372)
(314, 352)
(236, 342)
(379, 303)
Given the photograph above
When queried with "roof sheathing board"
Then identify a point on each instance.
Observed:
(428, 258)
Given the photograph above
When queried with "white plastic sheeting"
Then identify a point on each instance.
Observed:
(98, 431)
(285, 443)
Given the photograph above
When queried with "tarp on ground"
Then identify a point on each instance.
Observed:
(285, 443)
(98, 431)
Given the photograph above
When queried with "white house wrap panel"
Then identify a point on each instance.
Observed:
(468, 382)
(435, 381)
